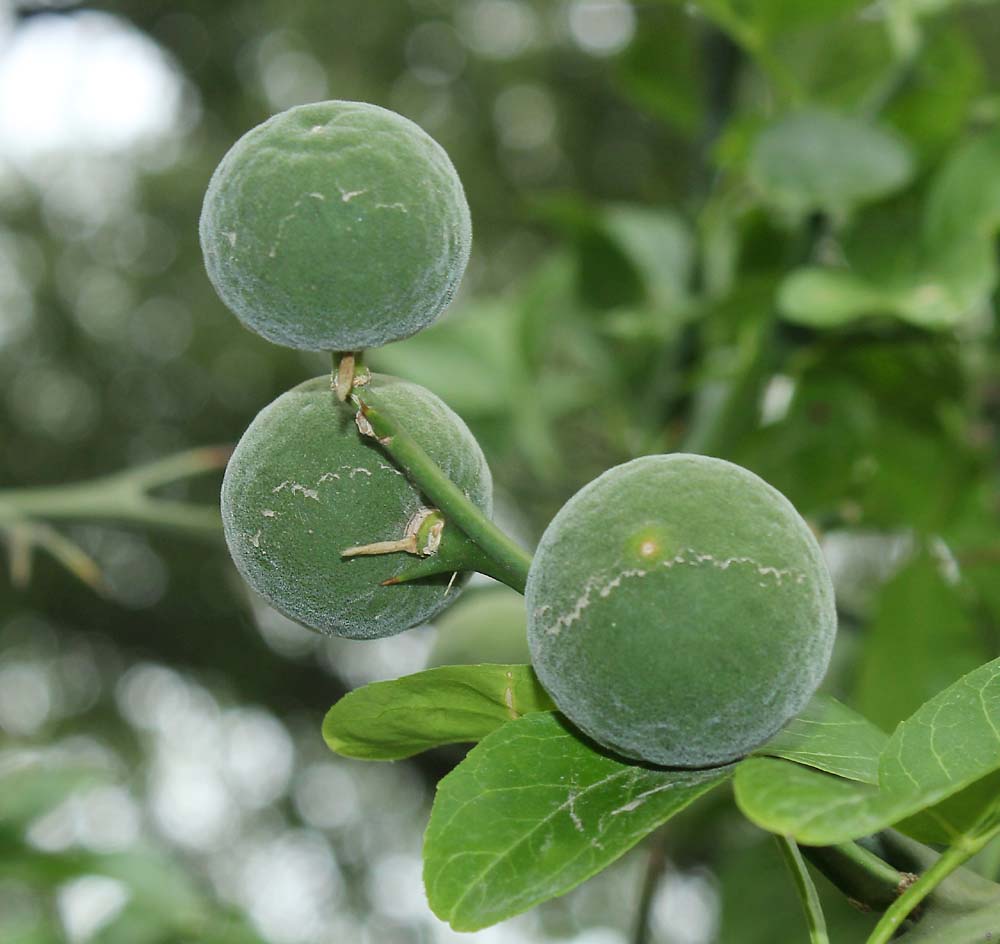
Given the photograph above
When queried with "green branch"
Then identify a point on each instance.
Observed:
(123, 497)
(861, 875)
(511, 562)
(807, 891)
(656, 865)
(950, 860)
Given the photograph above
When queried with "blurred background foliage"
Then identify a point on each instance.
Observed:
(759, 229)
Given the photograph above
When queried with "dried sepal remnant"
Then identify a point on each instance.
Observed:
(303, 484)
(366, 429)
(680, 611)
(336, 226)
(422, 537)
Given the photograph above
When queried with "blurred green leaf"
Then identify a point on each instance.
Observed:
(770, 17)
(448, 705)
(827, 298)
(963, 204)
(921, 636)
(830, 736)
(488, 624)
(627, 254)
(958, 813)
(825, 161)
(455, 357)
(659, 246)
(758, 904)
(658, 69)
(865, 435)
(950, 743)
(531, 812)
(938, 280)
(933, 105)
(939, 925)
(28, 790)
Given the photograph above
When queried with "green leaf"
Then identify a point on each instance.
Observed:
(946, 746)
(814, 807)
(447, 705)
(533, 811)
(818, 160)
(830, 736)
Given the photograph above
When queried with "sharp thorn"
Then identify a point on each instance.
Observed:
(407, 545)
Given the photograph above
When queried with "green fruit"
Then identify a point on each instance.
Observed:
(335, 226)
(303, 484)
(679, 610)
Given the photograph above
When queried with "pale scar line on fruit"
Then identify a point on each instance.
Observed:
(296, 488)
(695, 559)
(353, 471)
(346, 196)
(287, 218)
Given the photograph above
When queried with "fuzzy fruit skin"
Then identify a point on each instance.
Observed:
(335, 226)
(303, 485)
(679, 610)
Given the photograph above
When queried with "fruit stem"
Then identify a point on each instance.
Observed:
(656, 865)
(805, 888)
(861, 875)
(511, 562)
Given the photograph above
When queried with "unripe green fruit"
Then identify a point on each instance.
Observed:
(679, 610)
(335, 226)
(303, 484)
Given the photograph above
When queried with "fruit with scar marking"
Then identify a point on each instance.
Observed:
(303, 484)
(679, 610)
(335, 226)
